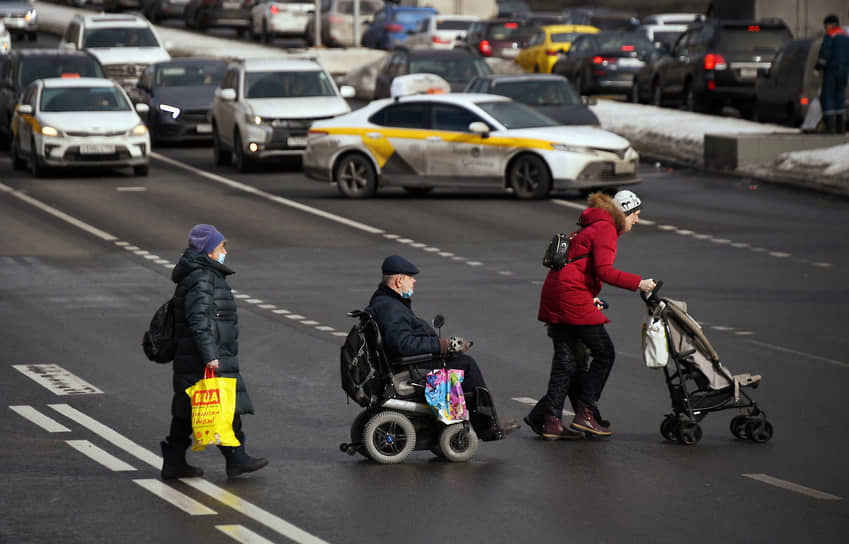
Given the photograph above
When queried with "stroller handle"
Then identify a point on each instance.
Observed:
(652, 296)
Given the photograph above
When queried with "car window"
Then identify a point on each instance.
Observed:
(410, 17)
(536, 39)
(453, 118)
(564, 37)
(401, 115)
(33, 68)
(452, 69)
(120, 37)
(146, 79)
(288, 84)
(515, 115)
(511, 30)
(55, 99)
(71, 32)
(29, 95)
(452, 24)
(231, 79)
(190, 75)
(753, 38)
(538, 93)
(624, 42)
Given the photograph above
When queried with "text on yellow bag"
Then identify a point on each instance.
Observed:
(213, 405)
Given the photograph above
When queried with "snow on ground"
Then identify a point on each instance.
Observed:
(834, 160)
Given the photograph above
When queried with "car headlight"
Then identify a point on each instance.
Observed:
(253, 119)
(31, 15)
(173, 110)
(572, 148)
(49, 131)
(140, 130)
(4, 46)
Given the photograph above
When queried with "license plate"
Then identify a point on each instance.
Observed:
(97, 149)
(204, 128)
(620, 168)
(509, 52)
(631, 63)
(296, 141)
(232, 5)
(748, 73)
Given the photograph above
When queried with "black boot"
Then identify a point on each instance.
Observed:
(174, 463)
(238, 460)
(830, 123)
(840, 123)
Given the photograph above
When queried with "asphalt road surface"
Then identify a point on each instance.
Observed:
(84, 261)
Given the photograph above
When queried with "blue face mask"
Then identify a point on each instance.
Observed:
(221, 257)
(407, 294)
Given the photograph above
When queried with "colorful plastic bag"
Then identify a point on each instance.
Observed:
(213, 405)
(444, 394)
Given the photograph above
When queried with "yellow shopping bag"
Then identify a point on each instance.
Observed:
(213, 405)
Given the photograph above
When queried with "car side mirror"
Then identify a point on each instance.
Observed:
(347, 91)
(228, 95)
(141, 107)
(24, 109)
(589, 100)
(480, 128)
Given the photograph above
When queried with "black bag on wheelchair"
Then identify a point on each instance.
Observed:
(364, 374)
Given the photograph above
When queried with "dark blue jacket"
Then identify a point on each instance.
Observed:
(404, 333)
(833, 56)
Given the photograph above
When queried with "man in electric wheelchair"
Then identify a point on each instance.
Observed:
(404, 334)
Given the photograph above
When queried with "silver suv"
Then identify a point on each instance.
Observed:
(264, 108)
(124, 44)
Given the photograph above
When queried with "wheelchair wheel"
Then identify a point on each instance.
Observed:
(389, 437)
(457, 444)
(357, 429)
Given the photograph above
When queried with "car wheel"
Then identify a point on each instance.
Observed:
(690, 98)
(657, 94)
(266, 36)
(140, 170)
(634, 97)
(355, 176)
(17, 162)
(529, 177)
(243, 162)
(579, 84)
(32, 36)
(223, 157)
(36, 166)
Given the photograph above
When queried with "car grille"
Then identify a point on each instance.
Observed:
(84, 134)
(73, 154)
(195, 116)
(121, 72)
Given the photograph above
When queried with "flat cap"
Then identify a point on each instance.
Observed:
(395, 264)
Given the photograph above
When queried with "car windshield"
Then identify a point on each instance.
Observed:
(666, 37)
(452, 24)
(608, 22)
(564, 37)
(515, 31)
(120, 37)
(753, 38)
(55, 99)
(56, 66)
(287, 84)
(516, 115)
(451, 69)
(411, 17)
(633, 42)
(538, 93)
(190, 75)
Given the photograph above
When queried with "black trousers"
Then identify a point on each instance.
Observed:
(569, 340)
(180, 435)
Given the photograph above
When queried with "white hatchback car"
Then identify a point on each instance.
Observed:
(264, 108)
(62, 122)
(271, 18)
(440, 31)
(469, 140)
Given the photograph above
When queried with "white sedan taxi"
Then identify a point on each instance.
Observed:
(64, 122)
(422, 141)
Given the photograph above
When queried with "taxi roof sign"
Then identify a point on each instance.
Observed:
(418, 84)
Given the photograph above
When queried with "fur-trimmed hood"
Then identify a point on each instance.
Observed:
(602, 201)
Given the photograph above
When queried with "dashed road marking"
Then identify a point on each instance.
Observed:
(175, 498)
(243, 535)
(57, 380)
(790, 486)
(45, 422)
(101, 456)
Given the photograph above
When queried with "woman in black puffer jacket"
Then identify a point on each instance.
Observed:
(207, 332)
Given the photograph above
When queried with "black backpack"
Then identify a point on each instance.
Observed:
(364, 377)
(158, 342)
(558, 249)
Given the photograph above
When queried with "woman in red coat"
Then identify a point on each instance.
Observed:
(570, 306)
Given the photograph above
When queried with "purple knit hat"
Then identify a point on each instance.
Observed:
(204, 238)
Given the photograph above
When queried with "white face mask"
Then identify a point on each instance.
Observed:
(221, 257)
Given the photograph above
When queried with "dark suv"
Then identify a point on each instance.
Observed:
(500, 37)
(20, 67)
(716, 63)
(456, 66)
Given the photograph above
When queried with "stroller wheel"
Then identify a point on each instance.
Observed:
(669, 428)
(759, 430)
(457, 444)
(389, 437)
(738, 426)
(689, 433)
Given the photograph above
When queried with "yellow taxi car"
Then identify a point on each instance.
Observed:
(547, 43)
(482, 141)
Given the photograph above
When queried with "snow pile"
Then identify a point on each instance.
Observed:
(831, 161)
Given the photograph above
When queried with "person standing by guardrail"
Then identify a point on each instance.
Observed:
(833, 61)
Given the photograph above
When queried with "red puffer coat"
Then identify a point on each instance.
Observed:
(567, 294)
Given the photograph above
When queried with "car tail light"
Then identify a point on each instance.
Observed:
(627, 48)
(804, 101)
(715, 61)
(551, 52)
(437, 39)
(393, 27)
(601, 60)
(711, 85)
(754, 28)
(511, 25)
(70, 75)
(274, 9)
(485, 48)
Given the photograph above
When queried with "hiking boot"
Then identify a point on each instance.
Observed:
(585, 420)
(174, 463)
(597, 415)
(553, 429)
(535, 426)
(238, 460)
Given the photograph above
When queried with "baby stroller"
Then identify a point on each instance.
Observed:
(698, 383)
(396, 418)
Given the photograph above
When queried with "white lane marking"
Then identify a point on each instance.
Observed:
(796, 488)
(45, 422)
(339, 333)
(474, 263)
(57, 380)
(295, 316)
(175, 498)
(242, 534)
(254, 512)
(103, 457)
(801, 353)
(56, 213)
(254, 301)
(109, 435)
(280, 311)
(242, 295)
(130, 189)
(268, 196)
(309, 322)
(267, 306)
(324, 328)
